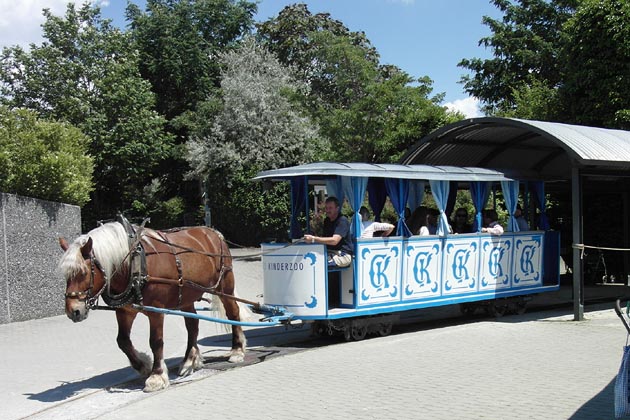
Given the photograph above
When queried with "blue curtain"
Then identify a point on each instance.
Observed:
(541, 202)
(416, 194)
(334, 188)
(452, 196)
(298, 204)
(377, 195)
(480, 191)
(510, 193)
(354, 188)
(440, 190)
(398, 191)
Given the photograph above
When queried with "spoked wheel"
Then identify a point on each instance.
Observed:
(497, 309)
(467, 308)
(358, 332)
(384, 329)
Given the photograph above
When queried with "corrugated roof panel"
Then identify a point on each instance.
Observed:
(532, 147)
(590, 143)
(422, 172)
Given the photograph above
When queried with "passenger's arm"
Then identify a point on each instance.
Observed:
(324, 240)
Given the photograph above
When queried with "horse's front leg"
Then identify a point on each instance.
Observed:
(192, 359)
(159, 374)
(141, 362)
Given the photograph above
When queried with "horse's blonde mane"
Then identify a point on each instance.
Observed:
(110, 244)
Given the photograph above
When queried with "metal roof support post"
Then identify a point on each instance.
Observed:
(576, 205)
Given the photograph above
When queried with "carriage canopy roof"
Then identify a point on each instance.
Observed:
(537, 149)
(325, 170)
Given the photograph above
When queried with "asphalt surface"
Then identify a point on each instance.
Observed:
(437, 365)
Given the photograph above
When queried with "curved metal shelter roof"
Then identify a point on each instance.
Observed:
(530, 148)
(421, 172)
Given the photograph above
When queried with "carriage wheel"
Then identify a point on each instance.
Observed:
(384, 329)
(467, 308)
(317, 329)
(521, 307)
(347, 334)
(497, 310)
(359, 332)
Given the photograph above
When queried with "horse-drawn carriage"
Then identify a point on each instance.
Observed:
(406, 272)
(159, 273)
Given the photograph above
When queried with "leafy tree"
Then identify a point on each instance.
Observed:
(86, 73)
(43, 159)
(290, 37)
(257, 127)
(526, 45)
(563, 60)
(596, 64)
(333, 61)
(179, 42)
(367, 111)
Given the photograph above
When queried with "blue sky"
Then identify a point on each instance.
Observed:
(423, 37)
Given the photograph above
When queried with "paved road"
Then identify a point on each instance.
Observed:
(540, 365)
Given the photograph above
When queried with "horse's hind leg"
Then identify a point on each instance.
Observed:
(159, 374)
(141, 362)
(192, 359)
(237, 354)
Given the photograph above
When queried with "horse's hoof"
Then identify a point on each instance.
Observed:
(156, 382)
(236, 356)
(192, 363)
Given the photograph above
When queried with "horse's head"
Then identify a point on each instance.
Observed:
(84, 277)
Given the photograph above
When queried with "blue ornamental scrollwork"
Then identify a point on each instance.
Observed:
(312, 303)
(311, 256)
(422, 265)
(527, 250)
(495, 262)
(459, 266)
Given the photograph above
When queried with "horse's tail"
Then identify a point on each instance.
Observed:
(245, 313)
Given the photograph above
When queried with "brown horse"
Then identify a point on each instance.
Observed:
(180, 265)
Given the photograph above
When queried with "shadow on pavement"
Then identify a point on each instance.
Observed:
(71, 389)
(600, 406)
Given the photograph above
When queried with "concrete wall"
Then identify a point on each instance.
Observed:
(30, 286)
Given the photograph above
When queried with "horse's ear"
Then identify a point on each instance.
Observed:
(86, 249)
(63, 243)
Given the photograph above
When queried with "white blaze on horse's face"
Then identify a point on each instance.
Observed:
(78, 279)
(76, 309)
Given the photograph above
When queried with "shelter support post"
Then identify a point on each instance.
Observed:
(576, 210)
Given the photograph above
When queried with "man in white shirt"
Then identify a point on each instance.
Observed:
(492, 226)
(369, 226)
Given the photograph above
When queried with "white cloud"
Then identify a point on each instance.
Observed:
(20, 21)
(468, 106)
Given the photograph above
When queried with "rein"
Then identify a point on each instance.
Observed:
(139, 277)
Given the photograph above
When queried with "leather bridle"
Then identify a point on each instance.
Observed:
(86, 295)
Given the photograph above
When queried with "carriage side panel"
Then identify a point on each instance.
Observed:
(379, 267)
(295, 278)
(422, 276)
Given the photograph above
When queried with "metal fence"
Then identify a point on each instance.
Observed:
(30, 286)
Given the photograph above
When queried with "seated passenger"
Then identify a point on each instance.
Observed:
(491, 225)
(418, 221)
(371, 228)
(520, 220)
(460, 221)
(432, 221)
(336, 236)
